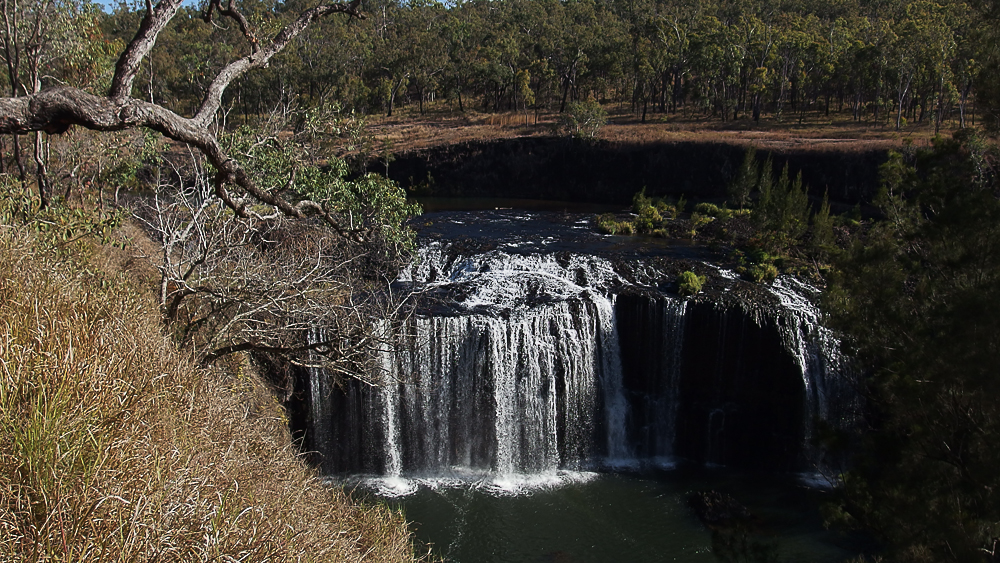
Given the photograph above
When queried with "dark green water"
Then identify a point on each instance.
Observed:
(435, 204)
(610, 518)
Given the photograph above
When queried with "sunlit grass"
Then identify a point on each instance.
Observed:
(114, 447)
(442, 123)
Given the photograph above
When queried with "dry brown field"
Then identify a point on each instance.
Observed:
(440, 125)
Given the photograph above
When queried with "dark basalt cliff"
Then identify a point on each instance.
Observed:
(737, 392)
(557, 168)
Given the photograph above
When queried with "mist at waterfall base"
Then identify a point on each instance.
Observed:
(552, 398)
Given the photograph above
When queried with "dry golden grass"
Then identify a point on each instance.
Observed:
(114, 447)
(442, 124)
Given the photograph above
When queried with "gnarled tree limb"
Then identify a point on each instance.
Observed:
(155, 20)
(56, 109)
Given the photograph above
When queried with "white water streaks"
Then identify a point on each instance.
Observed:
(319, 398)
(816, 349)
(514, 381)
(514, 395)
(512, 484)
(496, 281)
(514, 374)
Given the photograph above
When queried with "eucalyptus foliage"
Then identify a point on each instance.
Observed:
(919, 298)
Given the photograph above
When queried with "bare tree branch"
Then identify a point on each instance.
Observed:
(259, 58)
(231, 12)
(155, 20)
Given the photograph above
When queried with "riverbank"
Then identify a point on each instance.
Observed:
(408, 130)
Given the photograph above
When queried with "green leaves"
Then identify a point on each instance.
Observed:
(689, 283)
(369, 205)
(583, 119)
(920, 299)
(782, 208)
(745, 181)
(56, 225)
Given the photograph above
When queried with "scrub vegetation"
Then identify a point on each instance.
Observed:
(916, 295)
(117, 446)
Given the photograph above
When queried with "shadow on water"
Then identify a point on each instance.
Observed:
(620, 517)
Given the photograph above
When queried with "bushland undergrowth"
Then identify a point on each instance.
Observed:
(114, 446)
(766, 226)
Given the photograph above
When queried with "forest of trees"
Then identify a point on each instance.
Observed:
(886, 62)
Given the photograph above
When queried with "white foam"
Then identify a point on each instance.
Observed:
(511, 484)
(818, 480)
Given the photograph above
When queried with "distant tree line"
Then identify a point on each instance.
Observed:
(886, 62)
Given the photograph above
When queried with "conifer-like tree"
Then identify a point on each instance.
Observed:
(745, 181)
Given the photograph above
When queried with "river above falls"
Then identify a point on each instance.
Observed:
(548, 230)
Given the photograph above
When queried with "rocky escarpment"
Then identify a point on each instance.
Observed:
(557, 168)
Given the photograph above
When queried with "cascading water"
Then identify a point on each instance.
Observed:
(509, 377)
(537, 365)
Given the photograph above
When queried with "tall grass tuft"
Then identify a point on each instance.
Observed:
(115, 447)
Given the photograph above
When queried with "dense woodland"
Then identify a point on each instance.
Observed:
(886, 62)
(249, 189)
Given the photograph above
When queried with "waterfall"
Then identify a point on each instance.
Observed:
(319, 404)
(667, 399)
(390, 402)
(529, 365)
(615, 406)
(505, 395)
(815, 348)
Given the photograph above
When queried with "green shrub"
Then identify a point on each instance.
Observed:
(689, 283)
(640, 201)
(783, 207)
(698, 221)
(822, 238)
(757, 265)
(609, 224)
(653, 211)
(58, 224)
(648, 220)
(713, 210)
(763, 273)
(667, 209)
(583, 119)
(745, 181)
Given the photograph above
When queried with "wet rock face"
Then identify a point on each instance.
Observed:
(601, 172)
(741, 393)
(711, 383)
